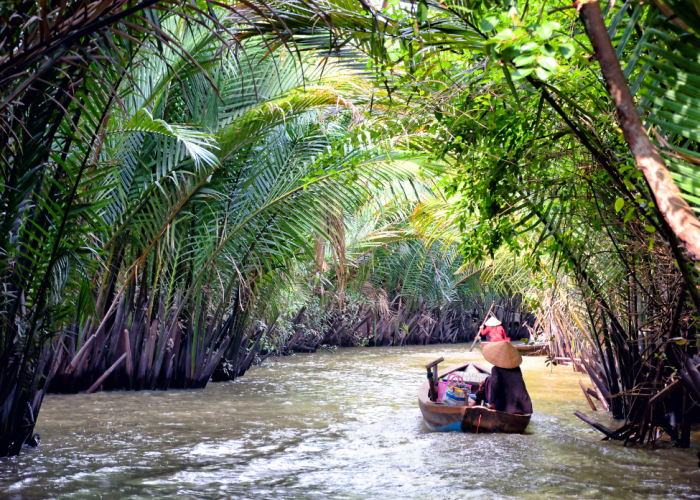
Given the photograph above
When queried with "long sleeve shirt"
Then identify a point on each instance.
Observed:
(495, 333)
(506, 391)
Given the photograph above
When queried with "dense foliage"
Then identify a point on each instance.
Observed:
(543, 167)
(188, 184)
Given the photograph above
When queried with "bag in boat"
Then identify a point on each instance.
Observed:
(455, 396)
(451, 379)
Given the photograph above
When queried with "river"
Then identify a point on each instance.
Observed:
(340, 425)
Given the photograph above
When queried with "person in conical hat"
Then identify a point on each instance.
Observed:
(505, 389)
(492, 331)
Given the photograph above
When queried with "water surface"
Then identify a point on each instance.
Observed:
(340, 425)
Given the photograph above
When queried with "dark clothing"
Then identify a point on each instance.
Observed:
(505, 391)
(481, 395)
(494, 333)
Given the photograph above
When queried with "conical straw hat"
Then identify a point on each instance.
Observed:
(502, 354)
(492, 321)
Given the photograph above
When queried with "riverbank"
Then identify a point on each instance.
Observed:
(331, 425)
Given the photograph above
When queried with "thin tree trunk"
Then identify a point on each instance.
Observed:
(673, 207)
(129, 364)
(79, 356)
(104, 376)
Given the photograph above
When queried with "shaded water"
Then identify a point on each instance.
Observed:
(331, 425)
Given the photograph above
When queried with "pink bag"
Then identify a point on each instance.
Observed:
(452, 379)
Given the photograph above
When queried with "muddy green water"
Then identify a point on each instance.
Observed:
(331, 425)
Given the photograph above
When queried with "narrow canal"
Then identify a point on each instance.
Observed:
(340, 425)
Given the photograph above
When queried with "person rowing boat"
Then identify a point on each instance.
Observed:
(492, 331)
(505, 389)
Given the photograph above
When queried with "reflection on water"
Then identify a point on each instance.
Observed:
(331, 425)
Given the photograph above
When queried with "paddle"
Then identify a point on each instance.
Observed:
(478, 335)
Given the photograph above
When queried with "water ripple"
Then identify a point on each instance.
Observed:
(331, 425)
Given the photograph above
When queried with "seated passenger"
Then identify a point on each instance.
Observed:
(480, 394)
(492, 331)
(505, 389)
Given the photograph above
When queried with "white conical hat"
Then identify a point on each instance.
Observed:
(502, 354)
(492, 321)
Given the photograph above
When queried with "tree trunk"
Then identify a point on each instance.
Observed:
(671, 204)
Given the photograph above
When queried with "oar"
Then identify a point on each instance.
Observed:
(478, 335)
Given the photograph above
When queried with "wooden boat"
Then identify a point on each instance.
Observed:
(442, 417)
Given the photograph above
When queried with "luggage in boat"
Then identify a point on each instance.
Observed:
(456, 392)
(455, 396)
(451, 379)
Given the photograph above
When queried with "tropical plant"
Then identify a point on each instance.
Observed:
(544, 170)
(510, 96)
(169, 165)
(391, 283)
(71, 72)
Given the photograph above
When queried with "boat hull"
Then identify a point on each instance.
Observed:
(442, 417)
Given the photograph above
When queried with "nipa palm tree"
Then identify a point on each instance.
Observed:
(72, 73)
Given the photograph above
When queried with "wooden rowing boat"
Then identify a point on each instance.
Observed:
(442, 417)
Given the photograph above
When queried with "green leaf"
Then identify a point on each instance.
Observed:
(548, 63)
(524, 60)
(547, 50)
(422, 12)
(86, 301)
(629, 215)
(489, 22)
(650, 229)
(619, 203)
(542, 73)
(506, 34)
(566, 50)
(546, 29)
(511, 86)
(521, 73)
(510, 52)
